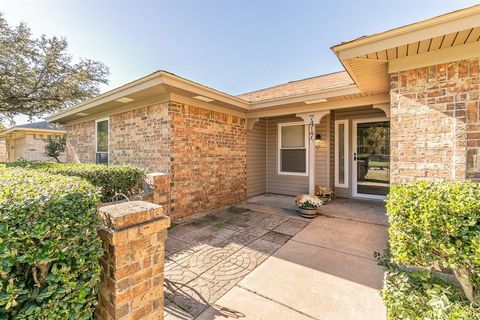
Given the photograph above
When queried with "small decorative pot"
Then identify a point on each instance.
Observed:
(325, 199)
(308, 213)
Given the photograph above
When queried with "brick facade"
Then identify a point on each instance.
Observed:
(202, 152)
(141, 137)
(208, 159)
(81, 142)
(435, 126)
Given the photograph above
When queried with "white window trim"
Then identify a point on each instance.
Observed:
(345, 154)
(279, 148)
(108, 138)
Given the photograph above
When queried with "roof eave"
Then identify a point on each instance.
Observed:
(154, 79)
(437, 26)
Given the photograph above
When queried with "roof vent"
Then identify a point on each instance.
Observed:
(206, 99)
(124, 100)
(315, 101)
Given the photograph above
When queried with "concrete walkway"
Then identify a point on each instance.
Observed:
(260, 260)
(326, 271)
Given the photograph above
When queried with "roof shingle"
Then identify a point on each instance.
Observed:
(304, 86)
(42, 125)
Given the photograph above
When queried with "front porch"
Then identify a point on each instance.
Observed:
(261, 260)
(347, 149)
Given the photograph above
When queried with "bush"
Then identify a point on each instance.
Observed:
(421, 295)
(437, 225)
(49, 248)
(111, 179)
(55, 146)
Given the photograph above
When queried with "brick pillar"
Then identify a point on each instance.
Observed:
(132, 267)
(160, 184)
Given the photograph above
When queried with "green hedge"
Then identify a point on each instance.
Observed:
(437, 225)
(421, 295)
(49, 247)
(111, 179)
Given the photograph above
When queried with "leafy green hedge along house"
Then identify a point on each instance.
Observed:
(406, 107)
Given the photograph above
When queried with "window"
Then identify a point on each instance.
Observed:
(292, 148)
(101, 141)
(341, 153)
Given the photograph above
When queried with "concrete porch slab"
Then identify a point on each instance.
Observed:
(239, 303)
(357, 238)
(320, 294)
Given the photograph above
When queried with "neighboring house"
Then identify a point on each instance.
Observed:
(27, 141)
(406, 108)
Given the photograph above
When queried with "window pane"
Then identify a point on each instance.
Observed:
(102, 136)
(341, 153)
(293, 160)
(293, 136)
(102, 158)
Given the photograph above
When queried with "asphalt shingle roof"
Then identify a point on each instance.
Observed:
(303, 86)
(42, 125)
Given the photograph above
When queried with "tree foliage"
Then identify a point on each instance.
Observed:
(38, 76)
(55, 146)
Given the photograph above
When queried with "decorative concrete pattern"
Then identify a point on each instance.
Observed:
(207, 256)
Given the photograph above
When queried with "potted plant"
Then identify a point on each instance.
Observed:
(308, 205)
(324, 193)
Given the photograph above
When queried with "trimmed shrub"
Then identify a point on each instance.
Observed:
(111, 179)
(49, 247)
(437, 225)
(420, 295)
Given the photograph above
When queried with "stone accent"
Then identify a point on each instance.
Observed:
(132, 267)
(208, 153)
(141, 137)
(435, 125)
(81, 142)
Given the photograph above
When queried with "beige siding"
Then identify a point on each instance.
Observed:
(256, 159)
(351, 114)
(290, 184)
(321, 154)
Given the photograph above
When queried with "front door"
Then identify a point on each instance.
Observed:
(371, 158)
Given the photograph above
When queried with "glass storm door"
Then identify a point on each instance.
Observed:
(371, 158)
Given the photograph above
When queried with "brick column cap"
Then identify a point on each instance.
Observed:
(157, 174)
(133, 213)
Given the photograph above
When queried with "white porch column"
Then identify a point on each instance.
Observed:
(311, 119)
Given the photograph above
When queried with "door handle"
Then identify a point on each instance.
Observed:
(354, 156)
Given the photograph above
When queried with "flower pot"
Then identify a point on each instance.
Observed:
(308, 213)
(325, 199)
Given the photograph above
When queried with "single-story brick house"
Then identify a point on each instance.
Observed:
(27, 141)
(405, 108)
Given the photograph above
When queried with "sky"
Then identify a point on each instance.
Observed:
(232, 46)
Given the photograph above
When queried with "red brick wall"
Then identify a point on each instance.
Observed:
(435, 128)
(141, 137)
(81, 142)
(208, 159)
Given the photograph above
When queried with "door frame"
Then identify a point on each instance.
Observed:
(355, 193)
